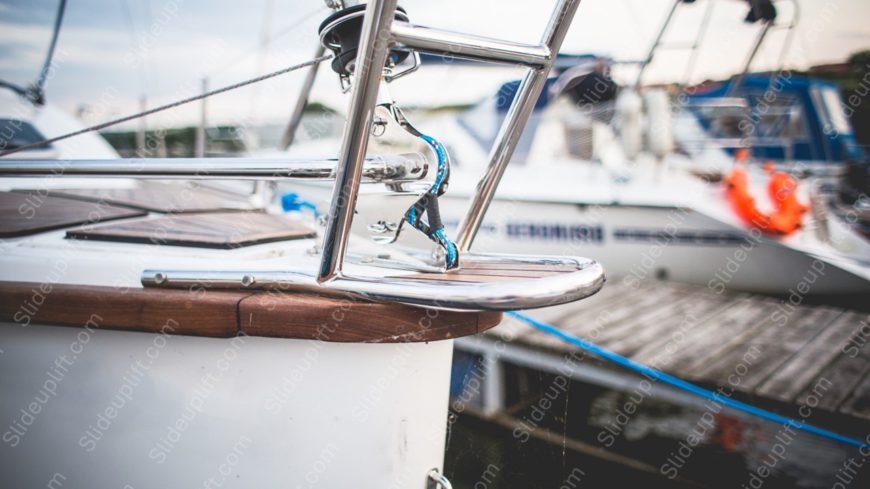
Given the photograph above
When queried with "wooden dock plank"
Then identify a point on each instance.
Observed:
(674, 329)
(778, 339)
(680, 315)
(858, 403)
(642, 299)
(609, 296)
(581, 312)
(798, 372)
(651, 306)
(844, 374)
(681, 350)
(593, 325)
(584, 311)
(728, 339)
(777, 351)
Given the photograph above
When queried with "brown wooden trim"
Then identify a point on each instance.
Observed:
(346, 320)
(227, 313)
(197, 313)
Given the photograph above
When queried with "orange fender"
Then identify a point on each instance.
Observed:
(782, 190)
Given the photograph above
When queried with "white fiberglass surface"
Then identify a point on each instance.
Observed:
(119, 409)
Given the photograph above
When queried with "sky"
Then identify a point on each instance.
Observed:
(113, 52)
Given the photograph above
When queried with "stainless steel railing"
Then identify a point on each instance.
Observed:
(375, 169)
(379, 35)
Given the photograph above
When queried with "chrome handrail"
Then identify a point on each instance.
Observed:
(756, 47)
(583, 278)
(578, 277)
(371, 57)
(514, 122)
(375, 169)
(455, 44)
(695, 45)
(379, 31)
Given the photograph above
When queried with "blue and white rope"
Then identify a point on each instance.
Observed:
(428, 203)
(682, 384)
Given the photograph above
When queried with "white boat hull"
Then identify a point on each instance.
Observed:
(98, 408)
(635, 242)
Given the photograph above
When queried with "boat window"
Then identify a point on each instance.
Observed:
(723, 121)
(15, 133)
(833, 106)
(783, 117)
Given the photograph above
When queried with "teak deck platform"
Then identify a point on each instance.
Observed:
(223, 230)
(22, 213)
(162, 197)
(220, 314)
(778, 351)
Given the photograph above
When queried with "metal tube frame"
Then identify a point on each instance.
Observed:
(456, 44)
(379, 32)
(375, 169)
(786, 45)
(515, 120)
(735, 86)
(296, 118)
(371, 58)
(705, 21)
(379, 35)
(577, 278)
(652, 50)
(699, 40)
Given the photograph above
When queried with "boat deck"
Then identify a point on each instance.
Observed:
(757, 348)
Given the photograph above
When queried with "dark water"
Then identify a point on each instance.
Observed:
(733, 451)
(484, 456)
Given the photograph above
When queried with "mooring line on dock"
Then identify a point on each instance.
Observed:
(680, 383)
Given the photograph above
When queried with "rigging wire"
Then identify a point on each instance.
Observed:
(133, 32)
(38, 88)
(263, 53)
(272, 38)
(682, 384)
(161, 108)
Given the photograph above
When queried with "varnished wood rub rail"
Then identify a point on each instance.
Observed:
(225, 314)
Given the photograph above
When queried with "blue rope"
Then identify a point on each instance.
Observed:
(428, 204)
(442, 161)
(450, 246)
(680, 383)
(292, 202)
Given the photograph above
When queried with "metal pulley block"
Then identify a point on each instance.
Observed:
(340, 33)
